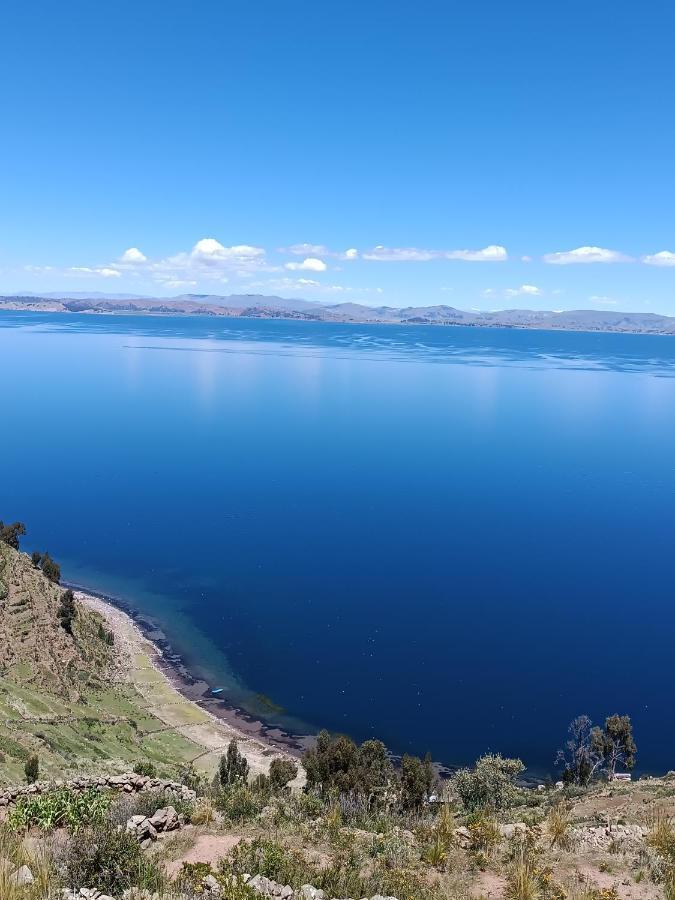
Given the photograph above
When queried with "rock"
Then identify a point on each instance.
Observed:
(22, 876)
(508, 831)
(308, 892)
(211, 885)
(463, 837)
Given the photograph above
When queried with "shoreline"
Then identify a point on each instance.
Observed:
(135, 632)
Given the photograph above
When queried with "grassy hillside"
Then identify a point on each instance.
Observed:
(58, 696)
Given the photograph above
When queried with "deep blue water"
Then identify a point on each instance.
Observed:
(454, 539)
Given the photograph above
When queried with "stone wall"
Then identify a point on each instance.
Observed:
(129, 783)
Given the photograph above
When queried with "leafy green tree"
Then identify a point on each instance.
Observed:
(330, 765)
(233, 766)
(67, 611)
(51, 569)
(418, 781)
(32, 769)
(491, 784)
(281, 772)
(10, 534)
(36, 559)
(615, 744)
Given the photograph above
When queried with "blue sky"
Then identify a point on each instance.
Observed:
(482, 155)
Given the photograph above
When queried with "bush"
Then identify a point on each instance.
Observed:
(32, 769)
(51, 569)
(491, 784)
(10, 534)
(67, 611)
(240, 804)
(233, 767)
(111, 862)
(281, 772)
(146, 768)
(191, 877)
(74, 810)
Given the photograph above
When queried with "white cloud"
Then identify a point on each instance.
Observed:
(311, 264)
(209, 250)
(399, 254)
(585, 255)
(103, 272)
(662, 258)
(492, 253)
(307, 250)
(133, 255)
(352, 253)
(598, 298)
(178, 283)
(525, 289)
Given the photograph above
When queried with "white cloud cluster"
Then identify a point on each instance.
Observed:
(662, 258)
(311, 264)
(585, 255)
(103, 271)
(492, 253)
(133, 255)
(208, 260)
(529, 290)
(320, 251)
(525, 290)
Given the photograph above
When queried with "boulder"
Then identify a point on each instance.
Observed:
(22, 877)
(514, 828)
(212, 885)
(165, 819)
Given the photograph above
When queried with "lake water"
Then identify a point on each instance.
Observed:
(454, 539)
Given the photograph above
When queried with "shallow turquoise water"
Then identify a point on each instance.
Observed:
(455, 539)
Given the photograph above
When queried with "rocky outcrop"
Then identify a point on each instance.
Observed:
(271, 890)
(604, 837)
(147, 828)
(129, 784)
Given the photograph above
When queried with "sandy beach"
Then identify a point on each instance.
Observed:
(183, 703)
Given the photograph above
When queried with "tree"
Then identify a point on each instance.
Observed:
(51, 569)
(491, 784)
(615, 744)
(337, 764)
(579, 756)
(32, 769)
(375, 773)
(281, 772)
(418, 781)
(591, 750)
(10, 534)
(67, 611)
(233, 766)
(331, 763)
(36, 559)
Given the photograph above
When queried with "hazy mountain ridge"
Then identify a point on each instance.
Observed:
(261, 306)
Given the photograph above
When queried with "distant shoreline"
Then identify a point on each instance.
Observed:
(280, 309)
(188, 685)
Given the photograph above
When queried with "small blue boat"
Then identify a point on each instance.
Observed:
(217, 691)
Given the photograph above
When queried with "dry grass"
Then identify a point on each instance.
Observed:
(558, 826)
(521, 881)
(13, 855)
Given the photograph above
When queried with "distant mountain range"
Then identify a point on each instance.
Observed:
(263, 307)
